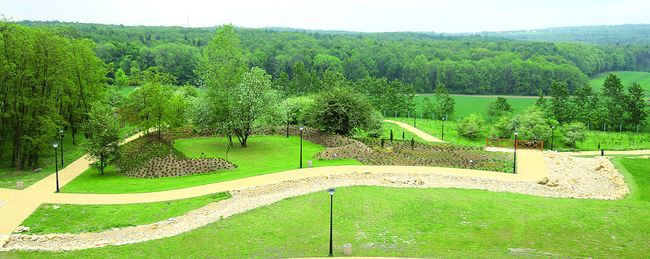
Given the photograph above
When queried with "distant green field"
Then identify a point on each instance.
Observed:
(627, 77)
(468, 104)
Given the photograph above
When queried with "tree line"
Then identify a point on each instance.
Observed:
(465, 64)
(50, 81)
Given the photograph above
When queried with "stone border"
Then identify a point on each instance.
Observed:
(564, 185)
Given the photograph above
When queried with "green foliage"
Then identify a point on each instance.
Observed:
(471, 126)
(614, 99)
(121, 79)
(104, 131)
(502, 128)
(295, 109)
(443, 103)
(573, 132)
(49, 82)
(500, 107)
(254, 104)
(637, 106)
(340, 111)
(561, 105)
(532, 124)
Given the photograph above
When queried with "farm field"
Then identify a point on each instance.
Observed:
(627, 77)
(477, 104)
(265, 154)
(416, 222)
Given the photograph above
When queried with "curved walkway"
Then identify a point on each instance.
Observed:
(416, 131)
(19, 204)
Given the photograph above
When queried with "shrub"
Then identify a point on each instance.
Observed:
(471, 126)
(340, 111)
(502, 128)
(296, 107)
(573, 132)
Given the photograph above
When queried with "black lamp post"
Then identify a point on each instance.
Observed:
(552, 136)
(514, 165)
(61, 135)
(331, 191)
(443, 127)
(301, 129)
(415, 118)
(56, 164)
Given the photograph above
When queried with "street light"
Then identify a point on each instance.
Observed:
(331, 191)
(301, 129)
(61, 141)
(415, 118)
(443, 127)
(56, 164)
(552, 135)
(514, 165)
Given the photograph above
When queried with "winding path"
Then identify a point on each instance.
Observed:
(17, 205)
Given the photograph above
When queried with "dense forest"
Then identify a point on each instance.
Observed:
(302, 59)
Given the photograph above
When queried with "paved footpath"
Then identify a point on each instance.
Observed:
(423, 135)
(19, 204)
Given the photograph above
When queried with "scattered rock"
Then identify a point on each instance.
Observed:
(22, 229)
(543, 181)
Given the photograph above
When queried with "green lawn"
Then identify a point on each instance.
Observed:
(264, 154)
(466, 105)
(413, 222)
(608, 140)
(123, 91)
(66, 218)
(627, 77)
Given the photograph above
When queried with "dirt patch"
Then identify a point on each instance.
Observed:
(172, 166)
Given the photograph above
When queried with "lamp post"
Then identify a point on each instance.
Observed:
(514, 165)
(415, 118)
(301, 129)
(61, 141)
(443, 127)
(552, 136)
(331, 191)
(56, 164)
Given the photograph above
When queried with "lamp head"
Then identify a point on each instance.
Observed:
(516, 133)
(331, 191)
(61, 131)
(55, 144)
(302, 128)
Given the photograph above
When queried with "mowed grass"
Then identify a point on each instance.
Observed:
(414, 222)
(398, 132)
(473, 104)
(66, 218)
(627, 77)
(264, 154)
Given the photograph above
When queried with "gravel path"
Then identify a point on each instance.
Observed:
(594, 178)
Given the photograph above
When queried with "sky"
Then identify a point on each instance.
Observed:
(447, 16)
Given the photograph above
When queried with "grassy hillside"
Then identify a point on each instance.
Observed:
(468, 104)
(627, 77)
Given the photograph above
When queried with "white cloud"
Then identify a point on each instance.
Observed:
(360, 15)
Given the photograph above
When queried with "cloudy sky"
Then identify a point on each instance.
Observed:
(351, 15)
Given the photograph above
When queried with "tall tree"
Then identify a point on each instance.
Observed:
(254, 101)
(614, 99)
(561, 105)
(636, 106)
(499, 107)
(443, 102)
(103, 128)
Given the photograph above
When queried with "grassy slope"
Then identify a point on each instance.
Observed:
(466, 105)
(627, 77)
(416, 222)
(264, 154)
(94, 218)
